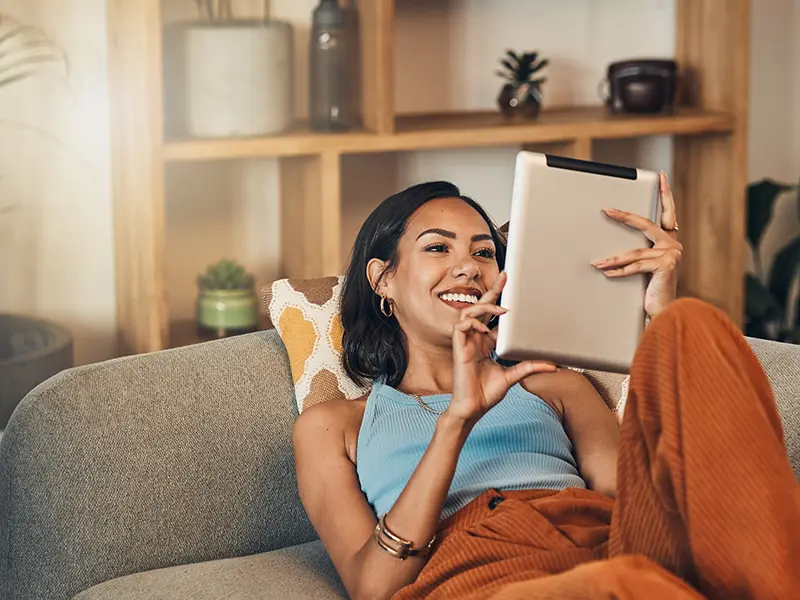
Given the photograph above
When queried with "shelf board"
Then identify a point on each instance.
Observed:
(593, 123)
(183, 332)
(459, 130)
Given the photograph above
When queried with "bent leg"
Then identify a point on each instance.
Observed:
(705, 488)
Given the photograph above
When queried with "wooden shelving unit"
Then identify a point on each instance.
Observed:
(709, 155)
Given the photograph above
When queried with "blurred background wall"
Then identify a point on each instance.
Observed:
(56, 254)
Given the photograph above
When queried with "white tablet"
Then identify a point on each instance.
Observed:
(561, 308)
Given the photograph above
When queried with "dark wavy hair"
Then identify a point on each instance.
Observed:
(374, 346)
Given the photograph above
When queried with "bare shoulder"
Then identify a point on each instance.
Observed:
(335, 422)
(557, 388)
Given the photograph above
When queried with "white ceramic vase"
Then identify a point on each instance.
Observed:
(238, 78)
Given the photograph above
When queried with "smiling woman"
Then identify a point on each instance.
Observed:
(458, 477)
(377, 283)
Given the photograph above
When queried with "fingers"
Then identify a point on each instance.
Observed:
(467, 324)
(491, 296)
(667, 262)
(668, 213)
(643, 260)
(482, 310)
(657, 234)
(653, 232)
(628, 257)
(520, 371)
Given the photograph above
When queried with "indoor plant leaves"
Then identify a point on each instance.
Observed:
(761, 199)
(785, 269)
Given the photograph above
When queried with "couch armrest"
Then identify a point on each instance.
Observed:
(149, 461)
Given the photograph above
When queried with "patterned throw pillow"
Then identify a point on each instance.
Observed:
(306, 314)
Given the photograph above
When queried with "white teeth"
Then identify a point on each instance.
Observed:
(459, 298)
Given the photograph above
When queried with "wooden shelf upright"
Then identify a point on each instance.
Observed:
(710, 154)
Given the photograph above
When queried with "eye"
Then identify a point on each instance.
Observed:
(486, 253)
(436, 248)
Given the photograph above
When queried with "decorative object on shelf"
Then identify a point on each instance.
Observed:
(237, 73)
(333, 67)
(227, 303)
(521, 95)
(640, 86)
(31, 349)
(772, 300)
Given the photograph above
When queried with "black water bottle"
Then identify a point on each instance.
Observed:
(331, 70)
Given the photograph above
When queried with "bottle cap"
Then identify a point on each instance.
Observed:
(329, 14)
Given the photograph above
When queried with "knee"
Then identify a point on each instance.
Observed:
(690, 312)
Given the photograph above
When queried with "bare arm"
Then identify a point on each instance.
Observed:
(341, 515)
(588, 422)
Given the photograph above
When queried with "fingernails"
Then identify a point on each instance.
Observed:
(610, 211)
(612, 273)
(598, 263)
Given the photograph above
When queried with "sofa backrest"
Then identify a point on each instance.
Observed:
(176, 457)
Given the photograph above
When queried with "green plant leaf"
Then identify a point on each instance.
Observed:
(797, 188)
(760, 305)
(761, 197)
(785, 269)
(541, 65)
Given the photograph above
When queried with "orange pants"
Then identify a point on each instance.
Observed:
(707, 503)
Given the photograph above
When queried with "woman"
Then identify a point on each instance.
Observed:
(420, 490)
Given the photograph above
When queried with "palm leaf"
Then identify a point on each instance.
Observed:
(761, 305)
(761, 197)
(25, 46)
(7, 72)
(785, 270)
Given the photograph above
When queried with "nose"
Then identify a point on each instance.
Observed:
(468, 268)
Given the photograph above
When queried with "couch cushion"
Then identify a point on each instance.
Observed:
(306, 313)
(298, 572)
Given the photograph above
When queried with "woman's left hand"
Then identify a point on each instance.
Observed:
(661, 260)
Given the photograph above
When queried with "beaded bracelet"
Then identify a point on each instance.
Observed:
(397, 546)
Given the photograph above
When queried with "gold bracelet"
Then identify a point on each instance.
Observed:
(397, 546)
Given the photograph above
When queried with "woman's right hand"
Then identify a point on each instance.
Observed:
(479, 382)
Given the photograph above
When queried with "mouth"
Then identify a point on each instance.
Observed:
(460, 298)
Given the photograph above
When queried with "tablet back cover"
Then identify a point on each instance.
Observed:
(560, 307)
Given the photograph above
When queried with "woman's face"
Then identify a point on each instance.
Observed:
(445, 262)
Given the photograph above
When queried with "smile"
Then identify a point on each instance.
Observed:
(458, 300)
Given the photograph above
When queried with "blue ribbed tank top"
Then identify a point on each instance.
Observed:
(519, 444)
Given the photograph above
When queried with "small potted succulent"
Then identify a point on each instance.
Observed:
(521, 95)
(226, 303)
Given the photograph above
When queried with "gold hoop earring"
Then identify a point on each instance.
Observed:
(384, 302)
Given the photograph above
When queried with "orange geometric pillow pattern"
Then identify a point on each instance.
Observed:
(306, 314)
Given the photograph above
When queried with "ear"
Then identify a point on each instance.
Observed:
(375, 270)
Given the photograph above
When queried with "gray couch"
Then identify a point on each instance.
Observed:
(170, 475)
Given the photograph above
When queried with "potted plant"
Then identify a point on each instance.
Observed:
(521, 94)
(226, 303)
(31, 349)
(772, 298)
(237, 73)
